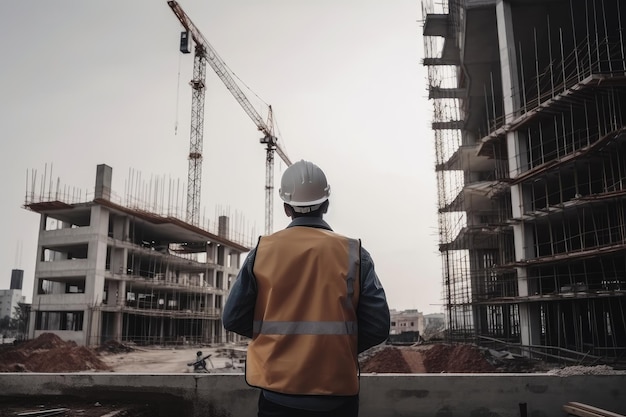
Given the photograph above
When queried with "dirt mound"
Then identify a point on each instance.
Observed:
(456, 358)
(388, 360)
(432, 359)
(50, 353)
(45, 341)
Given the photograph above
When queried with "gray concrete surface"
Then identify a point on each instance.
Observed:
(440, 395)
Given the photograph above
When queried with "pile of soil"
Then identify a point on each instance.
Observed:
(456, 358)
(49, 353)
(434, 359)
(388, 360)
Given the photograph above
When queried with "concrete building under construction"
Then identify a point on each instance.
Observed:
(529, 128)
(122, 271)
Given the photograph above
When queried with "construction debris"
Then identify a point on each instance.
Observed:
(586, 370)
(426, 359)
(44, 413)
(49, 353)
(463, 358)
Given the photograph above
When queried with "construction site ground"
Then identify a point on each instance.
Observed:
(48, 353)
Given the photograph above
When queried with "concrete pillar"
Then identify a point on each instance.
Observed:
(223, 227)
(104, 175)
(206, 331)
(226, 258)
(529, 313)
(118, 326)
(121, 293)
(96, 263)
(96, 259)
(92, 324)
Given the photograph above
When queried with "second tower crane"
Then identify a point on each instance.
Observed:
(204, 52)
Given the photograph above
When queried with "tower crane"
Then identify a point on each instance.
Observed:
(205, 52)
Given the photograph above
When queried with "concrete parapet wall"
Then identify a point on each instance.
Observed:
(440, 395)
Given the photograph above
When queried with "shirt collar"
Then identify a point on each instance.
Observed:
(310, 222)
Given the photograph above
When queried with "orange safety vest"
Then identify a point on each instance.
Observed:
(305, 324)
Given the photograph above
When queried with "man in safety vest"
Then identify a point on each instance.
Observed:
(311, 301)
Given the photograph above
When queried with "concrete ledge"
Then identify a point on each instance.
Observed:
(441, 395)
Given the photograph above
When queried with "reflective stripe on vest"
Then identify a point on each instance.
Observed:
(304, 327)
(299, 272)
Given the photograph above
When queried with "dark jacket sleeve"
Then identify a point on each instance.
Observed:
(238, 313)
(373, 311)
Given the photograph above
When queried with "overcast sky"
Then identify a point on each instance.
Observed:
(85, 83)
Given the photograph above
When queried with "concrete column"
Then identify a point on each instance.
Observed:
(223, 227)
(211, 304)
(31, 323)
(236, 261)
(529, 313)
(118, 326)
(96, 263)
(92, 324)
(226, 258)
(530, 324)
(104, 175)
(121, 293)
(96, 259)
(206, 331)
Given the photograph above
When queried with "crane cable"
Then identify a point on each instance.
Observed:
(177, 95)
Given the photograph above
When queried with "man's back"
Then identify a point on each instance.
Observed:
(307, 296)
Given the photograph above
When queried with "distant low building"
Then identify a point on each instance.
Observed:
(11, 298)
(406, 321)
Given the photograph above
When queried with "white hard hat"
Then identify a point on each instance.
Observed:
(304, 184)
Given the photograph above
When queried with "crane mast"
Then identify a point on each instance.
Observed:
(204, 53)
(194, 174)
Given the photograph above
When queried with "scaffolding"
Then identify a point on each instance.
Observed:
(530, 148)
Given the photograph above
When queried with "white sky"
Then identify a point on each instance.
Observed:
(84, 83)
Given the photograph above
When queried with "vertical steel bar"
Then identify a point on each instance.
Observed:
(571, 118)
(487, 109)
(621, 174)
(556, 137)
(530, 148)
(537, 68)
(606, 39)
(595, 27)
(621, 35)
(549, 40)
(521, 63)
(543, 155)
(588, 37)
(586, 132)
(589, 178)
(564, 134)
(571, 8)
(562, 59)
(493, 102)
(581, 228)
